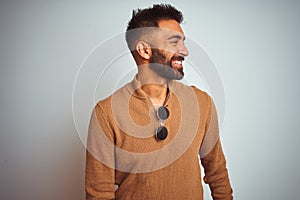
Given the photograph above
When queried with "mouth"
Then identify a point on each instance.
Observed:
(176, 62)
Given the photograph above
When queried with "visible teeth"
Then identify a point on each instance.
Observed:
(178, 62)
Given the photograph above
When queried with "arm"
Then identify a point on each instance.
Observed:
(213, 159)
(100, 173)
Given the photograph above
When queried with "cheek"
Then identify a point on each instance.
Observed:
(168, 55)
(171, 49)
(167, 48)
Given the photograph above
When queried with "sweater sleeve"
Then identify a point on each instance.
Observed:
(100, 173)
(213, 159)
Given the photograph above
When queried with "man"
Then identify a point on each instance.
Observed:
(145, 139)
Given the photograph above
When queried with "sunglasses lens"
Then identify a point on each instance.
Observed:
(161, 133)
(163, 113)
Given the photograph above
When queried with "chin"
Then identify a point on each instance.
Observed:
(174, 76)
(178, 74)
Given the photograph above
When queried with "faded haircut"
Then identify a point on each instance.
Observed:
(149, 17)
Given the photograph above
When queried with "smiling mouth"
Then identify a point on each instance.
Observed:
(176, 62)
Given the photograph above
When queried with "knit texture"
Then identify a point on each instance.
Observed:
(122, 149)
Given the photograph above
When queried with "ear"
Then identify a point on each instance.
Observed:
(143, 49)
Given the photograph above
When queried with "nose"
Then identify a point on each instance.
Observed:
(183, 51)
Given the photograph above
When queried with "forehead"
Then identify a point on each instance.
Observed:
(171, 26)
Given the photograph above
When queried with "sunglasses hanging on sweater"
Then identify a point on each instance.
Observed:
(162, 114)
(162, 131)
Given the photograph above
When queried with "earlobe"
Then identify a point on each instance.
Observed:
(144, 50)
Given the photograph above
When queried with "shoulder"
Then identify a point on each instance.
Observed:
(106, 103)
(202, 96)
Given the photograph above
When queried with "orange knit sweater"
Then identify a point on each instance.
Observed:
(125, 160)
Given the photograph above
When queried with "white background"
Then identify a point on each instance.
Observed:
(255, 47)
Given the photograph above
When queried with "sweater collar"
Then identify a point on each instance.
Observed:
(135, 89)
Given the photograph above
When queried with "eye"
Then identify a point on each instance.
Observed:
(174, 42)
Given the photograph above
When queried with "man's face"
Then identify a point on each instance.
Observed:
(169, 50)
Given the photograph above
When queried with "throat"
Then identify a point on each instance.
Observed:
(158, 94)
(157, 101)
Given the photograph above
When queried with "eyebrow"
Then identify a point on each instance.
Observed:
(176, 36)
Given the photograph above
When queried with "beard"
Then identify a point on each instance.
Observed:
(163, 67)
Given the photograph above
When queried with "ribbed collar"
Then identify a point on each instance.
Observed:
(135, 89)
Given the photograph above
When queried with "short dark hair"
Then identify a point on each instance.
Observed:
(149, 17)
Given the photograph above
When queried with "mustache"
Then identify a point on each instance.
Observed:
(181, 58)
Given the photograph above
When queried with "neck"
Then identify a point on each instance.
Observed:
(157, 93)
(153, 85)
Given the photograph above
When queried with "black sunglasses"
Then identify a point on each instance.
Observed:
(162, 131)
